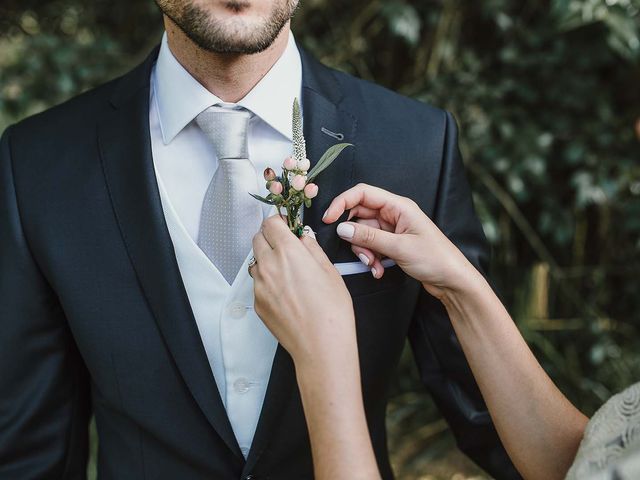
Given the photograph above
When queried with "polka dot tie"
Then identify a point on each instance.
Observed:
(230, 217)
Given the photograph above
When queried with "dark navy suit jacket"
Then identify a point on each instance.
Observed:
(94, 317)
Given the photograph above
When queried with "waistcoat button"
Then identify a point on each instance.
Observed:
(237, 310)
(241, 385)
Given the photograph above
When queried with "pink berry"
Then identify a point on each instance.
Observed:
(298, 182)
(269, 174)
(304, 164)
(275, 188)
(311, 190)
(289, 163)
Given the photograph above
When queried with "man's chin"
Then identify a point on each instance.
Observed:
(239, 36)
(235, 42)
(232, 27)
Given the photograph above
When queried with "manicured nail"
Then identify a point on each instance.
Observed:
(325, 214)
(363, 258)
(307, 230)
(374, 272)
(345, 230)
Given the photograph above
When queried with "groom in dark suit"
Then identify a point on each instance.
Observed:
(108, 306)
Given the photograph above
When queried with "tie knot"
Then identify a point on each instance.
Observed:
(227, 131)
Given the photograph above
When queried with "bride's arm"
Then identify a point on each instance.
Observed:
(293, 283)
(539, 427)
(332, 400)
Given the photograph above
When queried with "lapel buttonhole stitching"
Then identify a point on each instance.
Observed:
(336, 135)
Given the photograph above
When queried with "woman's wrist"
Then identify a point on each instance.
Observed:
(325, 363)
(468, 290)
(322, 348)
(460, 280)
(332, 400)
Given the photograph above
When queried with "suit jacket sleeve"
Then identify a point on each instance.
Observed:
(44, 407)
(439, 357)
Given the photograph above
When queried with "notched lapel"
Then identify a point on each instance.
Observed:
(319, 112)
(125, 149)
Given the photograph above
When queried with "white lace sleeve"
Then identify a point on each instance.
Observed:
(610, 449)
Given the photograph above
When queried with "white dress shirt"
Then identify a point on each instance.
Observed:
(240, 349)
(184, 156)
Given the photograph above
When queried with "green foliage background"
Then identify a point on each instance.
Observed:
(548, 100)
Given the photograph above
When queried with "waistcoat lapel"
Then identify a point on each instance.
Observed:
(321, 97)
(125, 147)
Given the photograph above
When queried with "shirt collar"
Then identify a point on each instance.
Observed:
(180, 97)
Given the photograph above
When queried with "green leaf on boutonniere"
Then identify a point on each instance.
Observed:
(288, 197)
(262, 199)
(326, 160)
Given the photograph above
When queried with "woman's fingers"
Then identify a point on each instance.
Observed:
(261, 252)
(361, 211)
(372, 198)
(375, 239)
(261, 247)
(370, 259)
(277, 233)
(366, 255)
(309, 241)
(274, 235)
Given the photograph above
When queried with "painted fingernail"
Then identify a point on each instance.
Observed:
(374, 272)
(325, 214)
(307, 230)
(345, 230)
(363, 258)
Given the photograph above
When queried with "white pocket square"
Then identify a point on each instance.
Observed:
(349, 268)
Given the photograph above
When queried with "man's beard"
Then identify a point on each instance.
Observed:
(224, 37)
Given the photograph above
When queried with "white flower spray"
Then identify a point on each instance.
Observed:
(295, 186)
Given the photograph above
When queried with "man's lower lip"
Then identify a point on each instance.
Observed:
(237, 7)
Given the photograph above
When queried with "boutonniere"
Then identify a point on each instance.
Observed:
(295, 186)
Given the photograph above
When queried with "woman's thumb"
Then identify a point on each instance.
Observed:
(376, 239)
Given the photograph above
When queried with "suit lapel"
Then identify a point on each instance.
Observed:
(321, 108)
(319, 112)
(125, 147)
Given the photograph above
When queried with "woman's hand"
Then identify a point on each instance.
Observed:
(301, 298)
(300, 295)
(394, 226)
(538, 426)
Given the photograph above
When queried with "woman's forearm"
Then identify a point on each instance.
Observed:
(332, 399)
(539, 427)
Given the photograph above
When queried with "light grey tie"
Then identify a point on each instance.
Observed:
(230, 217)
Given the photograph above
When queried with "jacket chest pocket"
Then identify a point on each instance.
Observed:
(359, 281)
(383, 318)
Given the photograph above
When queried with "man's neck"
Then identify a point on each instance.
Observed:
(228, 76)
